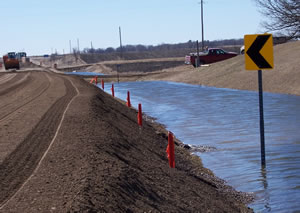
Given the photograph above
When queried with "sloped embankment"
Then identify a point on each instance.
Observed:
(144, 66)
(101, 161)
(134, 66)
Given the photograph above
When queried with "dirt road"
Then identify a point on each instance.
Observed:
(66, 146)
(31, 110)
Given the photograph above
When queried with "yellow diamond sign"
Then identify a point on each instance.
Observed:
(258, 51)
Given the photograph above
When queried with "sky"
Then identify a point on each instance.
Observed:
(43, 27)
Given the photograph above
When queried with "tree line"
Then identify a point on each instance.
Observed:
(165, 47)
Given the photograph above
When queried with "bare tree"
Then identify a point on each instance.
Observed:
(283, 15)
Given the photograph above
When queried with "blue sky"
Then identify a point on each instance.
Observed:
(39, 27)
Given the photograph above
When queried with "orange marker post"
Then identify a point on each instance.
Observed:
(140, 116)
(96, 79)
(112, 90)
(102, 82)
(128, 99)
(171, 150)
(92, 80)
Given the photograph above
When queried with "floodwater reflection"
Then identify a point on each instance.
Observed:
(266, 196)
(228, 120)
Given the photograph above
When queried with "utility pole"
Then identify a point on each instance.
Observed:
(70, 46)
(202, 25)
(78, 45)
(91, 45)
(120, 42)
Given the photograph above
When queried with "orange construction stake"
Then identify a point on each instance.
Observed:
(128, 99)
(139, 116)
(112, 90)
(171, 150)
(102, 82)
(92, 80)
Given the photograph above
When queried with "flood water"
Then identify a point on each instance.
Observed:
(84, 73)
(228, 120)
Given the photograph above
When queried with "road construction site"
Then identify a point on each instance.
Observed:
(67, 146)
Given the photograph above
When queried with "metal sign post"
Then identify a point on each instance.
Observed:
(198, 57)
(259, 55)
(118, 68)
(262, 123)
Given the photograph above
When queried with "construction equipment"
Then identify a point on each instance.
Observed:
(11, 61)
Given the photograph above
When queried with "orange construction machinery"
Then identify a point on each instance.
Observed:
(11, 61)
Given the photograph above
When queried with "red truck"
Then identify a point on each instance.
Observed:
(11, 61)
(210, 56)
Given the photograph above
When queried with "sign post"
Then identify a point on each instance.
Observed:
(262, 123)
(258, 56)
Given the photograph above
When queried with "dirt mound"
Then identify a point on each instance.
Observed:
(134, 66)
(130, 56)
(60, 60)
(144, 66)
(100, 68)
(28, 65)
(67, 60)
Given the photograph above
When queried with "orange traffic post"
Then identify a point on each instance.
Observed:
(112, 90)
(171, 150)
(92, 80)
(128, 99)
(96, 79)
(102, 82)
(139, 116)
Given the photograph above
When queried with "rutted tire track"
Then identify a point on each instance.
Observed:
(28, 99)
(4, 78)
(20, 164)
(19, 85)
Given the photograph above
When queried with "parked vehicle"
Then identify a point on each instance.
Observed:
(212, 55)
(11, 61)
(242, 50)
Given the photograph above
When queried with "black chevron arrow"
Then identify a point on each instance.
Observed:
(253, 52)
